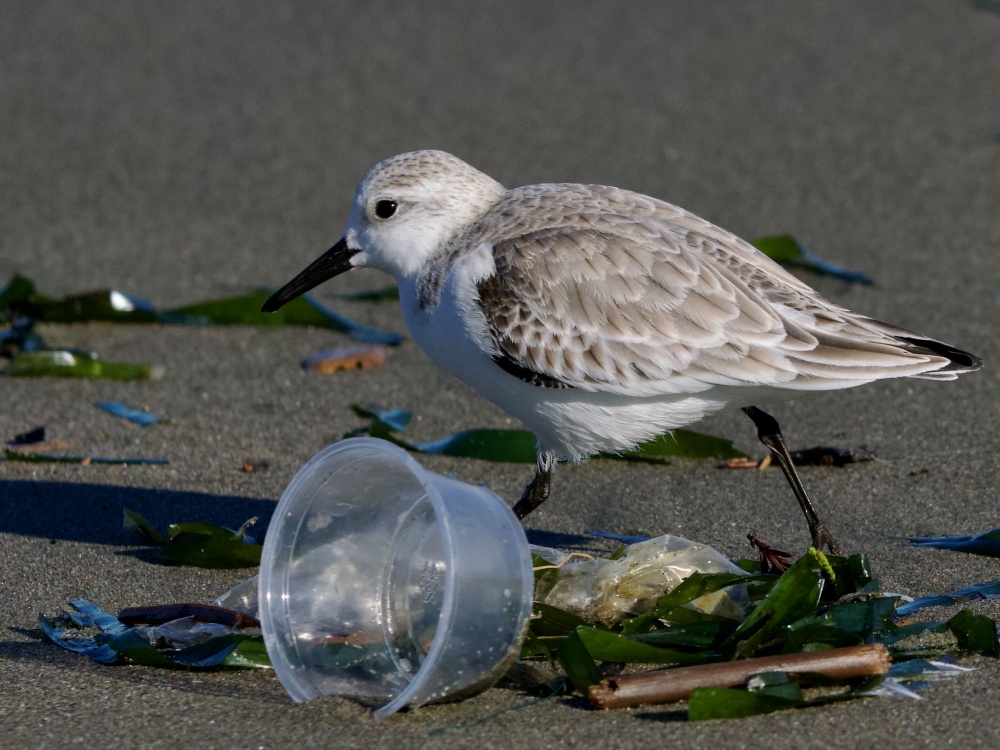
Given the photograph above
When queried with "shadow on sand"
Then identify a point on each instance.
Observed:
(93, 512)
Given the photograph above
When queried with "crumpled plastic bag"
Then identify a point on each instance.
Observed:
(606, 592)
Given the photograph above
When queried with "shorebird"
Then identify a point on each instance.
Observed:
(602, 318)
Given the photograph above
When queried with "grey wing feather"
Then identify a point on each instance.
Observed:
(605, 290)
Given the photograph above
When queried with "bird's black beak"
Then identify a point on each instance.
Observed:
(333, 262)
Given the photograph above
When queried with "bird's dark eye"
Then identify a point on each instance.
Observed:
(385, 209)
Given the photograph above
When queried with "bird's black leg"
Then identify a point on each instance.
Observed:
(537, 491)
(769, 434)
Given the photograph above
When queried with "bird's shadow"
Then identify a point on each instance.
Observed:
(93, 513)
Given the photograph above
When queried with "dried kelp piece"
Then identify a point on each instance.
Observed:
(772, 560)
(336, 359)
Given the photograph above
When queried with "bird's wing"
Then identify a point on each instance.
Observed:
(605, 290)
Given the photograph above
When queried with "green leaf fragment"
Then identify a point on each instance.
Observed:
(231, 650)
(503, 446)
(119, 307)
(576, 661)
(734, 703)
(107, 305)
(19, 288)
(851, 575)
(706, 634)
(795, 595)
(199, 544)
(207, 546)
(603, 645)
(977, 634)
(136, 523)
(845, 624)
(63, 363)
(548, 621)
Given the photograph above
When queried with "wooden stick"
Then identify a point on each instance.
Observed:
(668, 685)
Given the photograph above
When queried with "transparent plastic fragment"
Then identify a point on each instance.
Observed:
(608, 591)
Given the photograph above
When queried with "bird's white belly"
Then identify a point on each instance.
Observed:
(572, 423)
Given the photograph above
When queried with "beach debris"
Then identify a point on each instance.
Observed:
(188, 642)
(771, 560)
(68, 363)
(759, 645)
(979, 592)
(670, 685)
(820, 606)
(987, 543)
(336, 359)
(607, 591)
(21, 299)
(141, 417)
(199, 544)
(33, 456)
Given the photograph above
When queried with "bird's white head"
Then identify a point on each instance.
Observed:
(406, 208)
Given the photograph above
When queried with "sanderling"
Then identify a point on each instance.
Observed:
(602, 318)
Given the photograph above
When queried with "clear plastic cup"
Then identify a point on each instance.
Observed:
(390, 583)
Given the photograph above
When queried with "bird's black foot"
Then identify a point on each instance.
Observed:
(821, 538)
(537, 491)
